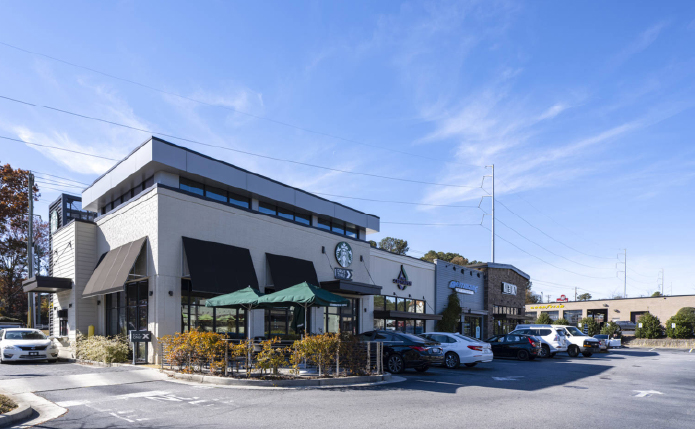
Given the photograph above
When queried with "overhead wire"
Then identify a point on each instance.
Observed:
(59, 177)
(57, 148)
(151, 132)
(265, 118)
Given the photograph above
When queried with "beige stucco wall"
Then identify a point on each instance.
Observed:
(385, 266)
(620, 309)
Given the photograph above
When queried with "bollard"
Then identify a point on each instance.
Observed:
(90, 331)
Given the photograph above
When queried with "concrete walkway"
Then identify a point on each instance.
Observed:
(62, 382)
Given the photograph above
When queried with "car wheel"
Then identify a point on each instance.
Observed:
(573, 351)
(544, 352)
(451, 360)
(522, 355)
(586, 354)
(471, 365)
(395, 364)
(422, 368)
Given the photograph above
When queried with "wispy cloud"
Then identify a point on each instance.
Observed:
(641, 43)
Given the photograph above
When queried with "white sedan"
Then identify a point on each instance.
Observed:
(21, 344)
(460, 349)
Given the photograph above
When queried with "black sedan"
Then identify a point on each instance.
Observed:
(522, 347)
(403, 351)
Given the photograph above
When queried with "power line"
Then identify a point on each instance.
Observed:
(516, 194)
(546, 262)
(246, 152)
(265, 118)
(57, 182)
(432, 224)
(58, 189)
(58, 148)
(547, 235)
(639, 274)
(64, 178)
(393, 202)
(550, 251)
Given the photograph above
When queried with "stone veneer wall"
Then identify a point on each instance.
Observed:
(494, 296)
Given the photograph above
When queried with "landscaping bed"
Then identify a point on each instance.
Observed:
(659, 343)
(6, 404)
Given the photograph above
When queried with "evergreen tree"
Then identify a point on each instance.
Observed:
(451, 316)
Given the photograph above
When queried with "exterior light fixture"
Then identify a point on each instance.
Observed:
(361, 258)
(151, 292)
(323, 249)
(98, 302)
(171, 293)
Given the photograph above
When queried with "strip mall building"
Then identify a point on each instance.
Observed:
(167, 228)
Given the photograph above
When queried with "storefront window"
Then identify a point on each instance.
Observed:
(400, 304)
(554, 315)
(409, 326)
(216, 193)
(342, 319)
(573, 316)
(302, 218)
(267, 208)
(324, 224)
(390, 324)
(196, 316)
(379, 302)
(419, 306)
(127, 311)
(191, 186)
(378, 324)
(390, 303)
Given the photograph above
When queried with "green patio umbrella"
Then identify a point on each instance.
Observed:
(302, 295)
(243, 298)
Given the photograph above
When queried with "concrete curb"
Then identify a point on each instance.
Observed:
(337, 382)
(22, 412)
(100, 364)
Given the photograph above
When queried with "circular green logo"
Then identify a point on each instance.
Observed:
(343, 253)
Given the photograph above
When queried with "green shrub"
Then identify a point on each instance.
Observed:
(651, 326)
(592, 324)
(544, 319)
(683, 329)
(688, 313)
(102, 349)
(610, 328)
(562, 321)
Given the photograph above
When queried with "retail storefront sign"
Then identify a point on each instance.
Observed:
(342, 273)
(343, 254)
(508, 288)
(463, 287)
(402, 280)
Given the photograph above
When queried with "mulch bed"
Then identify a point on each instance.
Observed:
(6, 404)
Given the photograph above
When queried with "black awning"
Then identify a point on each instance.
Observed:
(346, 286)
(513, 316)
(113, 268)
(219, 268)
(388, 314)
(287, 271)
(46, 284)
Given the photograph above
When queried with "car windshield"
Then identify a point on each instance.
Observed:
(24, 335)
(575, 331)
(414, 338)
(561, 332)
(467, 338)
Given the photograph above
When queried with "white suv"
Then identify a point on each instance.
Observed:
(552, 338)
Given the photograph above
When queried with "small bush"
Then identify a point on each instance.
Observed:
(102, 349)
(593, 326)
(561, 322)
(651, 326)
(192, 350)
(544, 319)
(688, 313)
(610, 329)
(6, 404)
(683, 329)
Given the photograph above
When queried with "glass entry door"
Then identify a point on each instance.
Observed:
(137, 300)
(473, 326)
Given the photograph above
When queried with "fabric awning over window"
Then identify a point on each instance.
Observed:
(287, 271)
(219, 268)
(112, 270)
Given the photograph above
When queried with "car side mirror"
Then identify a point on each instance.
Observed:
(51, 338)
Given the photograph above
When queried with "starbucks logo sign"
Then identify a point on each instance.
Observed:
(343, 254)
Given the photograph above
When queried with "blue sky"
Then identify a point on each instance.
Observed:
(586, 110)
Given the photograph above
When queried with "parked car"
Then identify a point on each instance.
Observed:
(610, 341)
(460, 349)
(522, 347)
(579, 342)
(602, 341)
(403, 351)
(552, 338)
(18, 344)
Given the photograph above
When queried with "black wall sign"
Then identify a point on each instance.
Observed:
(342, 274)
(140, 336)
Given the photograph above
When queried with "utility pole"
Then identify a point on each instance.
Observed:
(493, 208)
(624, 272)
(660, 281)
(31, 316)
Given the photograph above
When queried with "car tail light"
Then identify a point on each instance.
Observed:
(556, 338)
(478, 348)
(531, 342)
(418, 348)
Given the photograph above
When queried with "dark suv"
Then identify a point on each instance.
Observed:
(522, 347)
(403, 351)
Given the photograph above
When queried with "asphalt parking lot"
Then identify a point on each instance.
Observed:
(625, 388)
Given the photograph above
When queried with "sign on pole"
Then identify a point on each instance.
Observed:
(140, 336)
(673, 326)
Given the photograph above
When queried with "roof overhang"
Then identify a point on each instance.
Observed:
(388, 314)
(346, 286)
(46, 284)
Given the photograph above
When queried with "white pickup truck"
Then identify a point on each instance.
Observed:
(579, 341)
